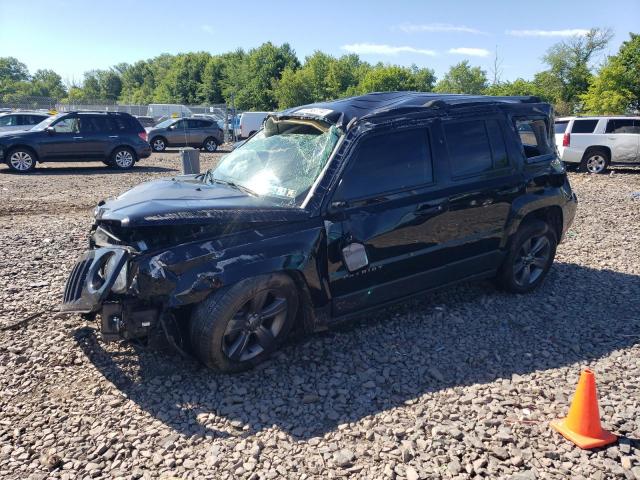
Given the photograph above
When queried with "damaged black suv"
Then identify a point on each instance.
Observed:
(331, 209)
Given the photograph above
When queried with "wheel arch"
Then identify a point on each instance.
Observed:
(545, 209)
(20, 146)
(592, 148)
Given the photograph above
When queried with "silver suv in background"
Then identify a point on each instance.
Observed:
(13, 121)
(595, 143)
(185, 132)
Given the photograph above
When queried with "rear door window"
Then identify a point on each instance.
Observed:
(386, 163)
(194, 123)
(475, 147)
(623, 125)
(584, 126)
(534, 136)
(97, 124)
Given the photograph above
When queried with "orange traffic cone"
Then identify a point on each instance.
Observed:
(582, 425)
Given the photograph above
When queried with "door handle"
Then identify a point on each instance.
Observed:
(113, 136)
(428, 210)
(507, 191)
(611, 138)
(78, 138)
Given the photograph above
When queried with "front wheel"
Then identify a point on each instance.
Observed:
(210, 145)
(529, 259)
(158, 144)
(21, 160)
(237, 327)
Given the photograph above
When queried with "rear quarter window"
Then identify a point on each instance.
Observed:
(560, 127)
(584, 126)
(534, 136)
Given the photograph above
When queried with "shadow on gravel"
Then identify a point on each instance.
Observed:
(99, 169)
(471, 334)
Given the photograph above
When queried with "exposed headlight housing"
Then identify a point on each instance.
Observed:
(120, 284)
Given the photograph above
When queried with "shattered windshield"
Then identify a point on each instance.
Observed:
(281, 161)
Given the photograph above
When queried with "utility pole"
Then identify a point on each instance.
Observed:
(497, 68)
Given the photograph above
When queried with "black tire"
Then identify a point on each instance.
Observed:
(210, 144)
(107, 163)
(158, 144)
(595, 160)
(122, 158)
(533, 257)
(21, 160)
(227, 333)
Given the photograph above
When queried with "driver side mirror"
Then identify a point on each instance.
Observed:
(50, 130)
(171, 127)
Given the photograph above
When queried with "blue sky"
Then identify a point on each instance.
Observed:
(72, 36)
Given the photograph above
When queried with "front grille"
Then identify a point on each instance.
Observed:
(76, 281)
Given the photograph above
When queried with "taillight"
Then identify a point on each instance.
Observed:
(143, 135)
(566, 140)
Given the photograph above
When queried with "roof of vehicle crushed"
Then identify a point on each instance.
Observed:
(383, 103)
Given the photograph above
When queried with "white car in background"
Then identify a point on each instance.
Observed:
(595, 143)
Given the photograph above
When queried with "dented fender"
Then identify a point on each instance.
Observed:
(186, 274)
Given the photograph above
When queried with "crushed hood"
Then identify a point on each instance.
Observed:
(186, 200)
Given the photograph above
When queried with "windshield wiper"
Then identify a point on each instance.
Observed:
(237, 186)
(208, 177)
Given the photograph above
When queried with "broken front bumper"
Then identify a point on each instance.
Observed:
(87, 291)
(91, 279)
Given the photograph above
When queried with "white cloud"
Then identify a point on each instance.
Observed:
(570, 32)
(471, 52)
(207, 29)
(380, 49)
(437, 27)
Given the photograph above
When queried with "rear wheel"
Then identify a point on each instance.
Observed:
(530, 257)
(595, 161)
(210, 145)
(21, 160)
(123, 158)
(239, 326)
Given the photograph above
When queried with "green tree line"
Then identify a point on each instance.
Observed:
(272, 77)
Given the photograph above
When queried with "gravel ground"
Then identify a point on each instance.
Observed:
(459, 384)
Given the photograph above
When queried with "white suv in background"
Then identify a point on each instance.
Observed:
(594, 143)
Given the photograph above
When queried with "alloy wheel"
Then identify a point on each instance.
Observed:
(124, 159)
(210, 146)
(158, 145)
(256, 326)
(21, 161)
(596, 163)
(531, 261)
